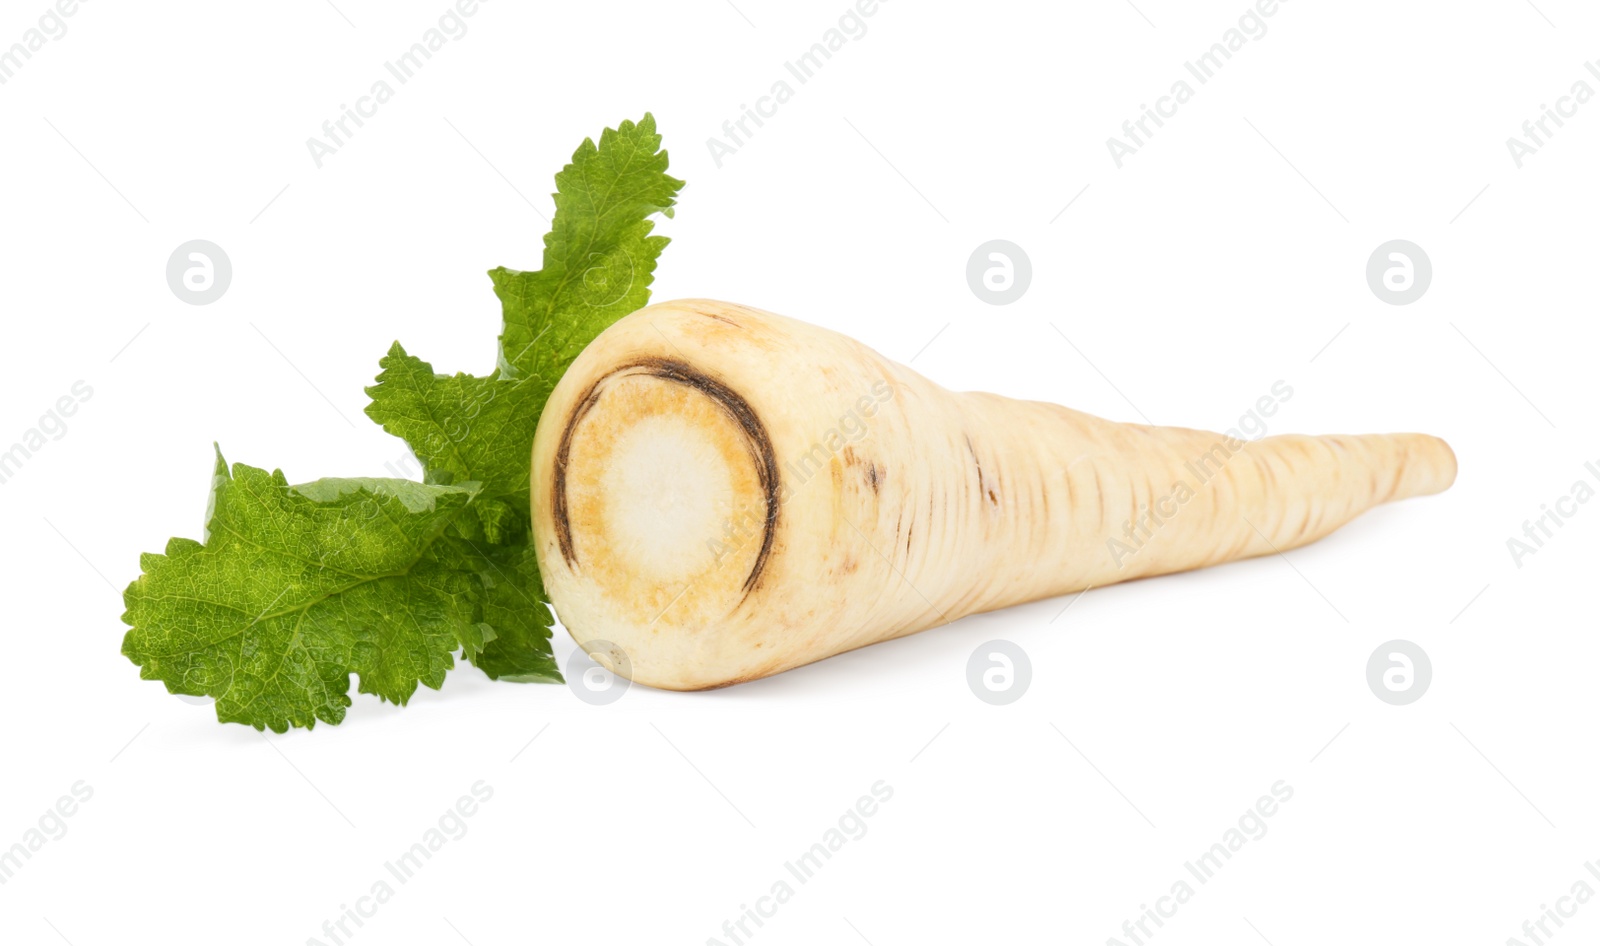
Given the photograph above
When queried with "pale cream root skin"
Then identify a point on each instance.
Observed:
(895, 505)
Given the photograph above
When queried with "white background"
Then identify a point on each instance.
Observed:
(1224, 256)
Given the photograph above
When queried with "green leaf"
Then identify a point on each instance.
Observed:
(599, 260)
(297, 587)
(294, 588)
(465, 428)
(599, 256)
(514, 606)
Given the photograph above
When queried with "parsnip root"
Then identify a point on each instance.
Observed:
(723, 494)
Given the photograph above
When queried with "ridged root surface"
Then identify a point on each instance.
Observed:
(721, 494)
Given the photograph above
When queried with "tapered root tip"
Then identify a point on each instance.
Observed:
(1428, 463)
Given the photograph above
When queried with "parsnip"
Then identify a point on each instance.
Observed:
(721, 494)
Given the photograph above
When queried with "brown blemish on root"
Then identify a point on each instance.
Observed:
(874, 478)
(1272, 476)
(975, 462)
(1305, 523)
(711, 313)
(1099, 495)
(736, 407)
(1399, 473)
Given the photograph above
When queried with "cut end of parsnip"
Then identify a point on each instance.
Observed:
(663, 499)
